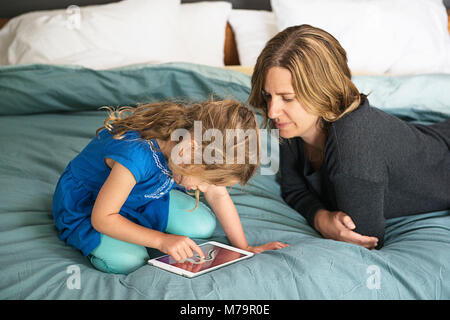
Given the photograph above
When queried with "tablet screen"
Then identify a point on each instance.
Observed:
(214, 256)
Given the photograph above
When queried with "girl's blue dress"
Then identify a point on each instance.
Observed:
(78, 186)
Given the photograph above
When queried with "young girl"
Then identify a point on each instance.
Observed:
(118, 197)
(345, 165)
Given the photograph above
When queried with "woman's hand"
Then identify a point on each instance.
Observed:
(275, 245)
(179, 247)
(337, 225)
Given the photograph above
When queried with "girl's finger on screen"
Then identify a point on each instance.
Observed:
(188, 251)
(175, 256)
(182, 255)
(197, 249)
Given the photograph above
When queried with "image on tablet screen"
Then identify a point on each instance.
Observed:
(214, 256)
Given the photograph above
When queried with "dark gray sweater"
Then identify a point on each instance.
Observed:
(375, 167)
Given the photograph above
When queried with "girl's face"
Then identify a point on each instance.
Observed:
(194, 183)
(283, 107)
(190, 182)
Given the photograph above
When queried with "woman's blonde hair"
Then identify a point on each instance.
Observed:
(321, 77)
(160, 120)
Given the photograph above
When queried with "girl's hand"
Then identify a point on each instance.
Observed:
(275, 245)
(337, 225)
(179, 247)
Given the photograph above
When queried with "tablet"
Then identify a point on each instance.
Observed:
(217, 255)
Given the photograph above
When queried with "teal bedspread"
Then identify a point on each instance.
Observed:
(49, 113)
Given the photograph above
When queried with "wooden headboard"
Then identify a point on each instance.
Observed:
(230, 48)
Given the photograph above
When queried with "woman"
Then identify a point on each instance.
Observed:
(345, 166)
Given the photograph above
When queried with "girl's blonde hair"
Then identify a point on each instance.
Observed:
(160, 120)
(321, 77)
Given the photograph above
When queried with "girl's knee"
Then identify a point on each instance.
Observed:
(206, 223)
(199, 223)
(119, 264)
(115, 256)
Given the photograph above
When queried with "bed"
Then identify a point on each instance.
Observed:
(49, 112)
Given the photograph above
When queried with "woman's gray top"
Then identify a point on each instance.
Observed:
(375, 166)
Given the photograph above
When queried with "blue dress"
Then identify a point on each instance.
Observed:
(78, 186)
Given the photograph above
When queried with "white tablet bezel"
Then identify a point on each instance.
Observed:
(189, 274)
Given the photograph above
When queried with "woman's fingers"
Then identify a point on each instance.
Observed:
(365, 241)
(346, 234)
(348, 222)
(338, 225)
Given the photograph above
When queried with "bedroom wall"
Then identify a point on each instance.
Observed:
(9, 9)
(243, 4)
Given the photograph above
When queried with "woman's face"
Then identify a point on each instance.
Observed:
(283, 107)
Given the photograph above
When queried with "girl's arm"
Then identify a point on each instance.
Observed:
(106, 218)
(220, 202)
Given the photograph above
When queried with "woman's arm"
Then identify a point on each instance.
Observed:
(363, 201)
(294, 190)
(220, 202)
(106, 218)
(336, 225)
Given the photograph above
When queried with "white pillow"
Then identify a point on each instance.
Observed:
(202, 27)
(252, 29)
(100, 36)
(382, 36)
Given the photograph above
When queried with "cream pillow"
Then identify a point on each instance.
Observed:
(98, 37)
(252, 29)
(382, 36)
(202, 32)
